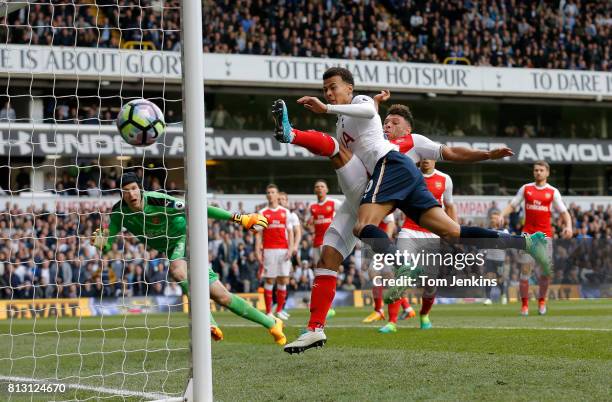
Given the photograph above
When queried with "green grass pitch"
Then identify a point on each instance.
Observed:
(474, 352)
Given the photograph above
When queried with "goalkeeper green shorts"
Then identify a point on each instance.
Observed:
(177, 252)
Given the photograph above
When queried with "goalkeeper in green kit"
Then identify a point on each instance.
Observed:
(158, 220)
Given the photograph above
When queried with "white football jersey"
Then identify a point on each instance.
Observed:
(418, 147)
(364, 136)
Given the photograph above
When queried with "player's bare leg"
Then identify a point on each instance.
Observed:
(178, 272)
(321, 298)
(372, 215)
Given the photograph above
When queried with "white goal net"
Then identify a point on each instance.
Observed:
(77, 323)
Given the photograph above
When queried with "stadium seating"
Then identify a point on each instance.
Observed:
(499, 33)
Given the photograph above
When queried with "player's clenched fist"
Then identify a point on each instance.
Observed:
(99, 238)
(252, 222)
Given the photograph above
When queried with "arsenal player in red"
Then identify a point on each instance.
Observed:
(277, 243)
(539, 198)
(320, 215)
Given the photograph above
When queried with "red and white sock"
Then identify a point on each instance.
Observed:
(316, 142)
(426, 304)
(393, 309)
(268, 296)
(321, 297)
(405, 303)
(377, 295)
(543, 288)
(281, 296)
(524, 291)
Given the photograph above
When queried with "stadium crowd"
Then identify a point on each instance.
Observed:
(48, 254)
(570, 34)
(88, 179)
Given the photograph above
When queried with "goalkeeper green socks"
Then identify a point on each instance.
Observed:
(244, 309)
(184, 287)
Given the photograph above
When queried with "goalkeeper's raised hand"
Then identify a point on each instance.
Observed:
(99, 238)
(253, 222)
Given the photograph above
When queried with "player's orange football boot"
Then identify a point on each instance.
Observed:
(277, 332)
(374, 316)
(216, 333)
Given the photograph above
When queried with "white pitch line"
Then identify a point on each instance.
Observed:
(373, 326)
(119, 392)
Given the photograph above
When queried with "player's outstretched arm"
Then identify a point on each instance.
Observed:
(364, 107)
(219, 213)
(253, 222)
(464, 154)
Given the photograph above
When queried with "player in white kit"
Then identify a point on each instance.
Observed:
(359, 130)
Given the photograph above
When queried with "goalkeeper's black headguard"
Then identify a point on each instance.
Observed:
(128, 178)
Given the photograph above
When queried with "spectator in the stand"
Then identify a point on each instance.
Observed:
(575, 36)
(7, 113)
(248, 272)
(92, 189)
(60, 263)
(219, 116)
(173, 289)
(91, 116)
(23, 179)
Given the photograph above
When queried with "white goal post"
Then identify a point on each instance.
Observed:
(195, 166)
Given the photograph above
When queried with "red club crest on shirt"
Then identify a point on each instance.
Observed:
(438, 185)
(547, 195)
(328, 208)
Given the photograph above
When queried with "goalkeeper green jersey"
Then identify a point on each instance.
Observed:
(160, 225)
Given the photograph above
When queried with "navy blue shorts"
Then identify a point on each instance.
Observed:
(396, 178)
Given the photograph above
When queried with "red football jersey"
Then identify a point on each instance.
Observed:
(441, 186)
(275, 235)
(322, 214)
(538, 207)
